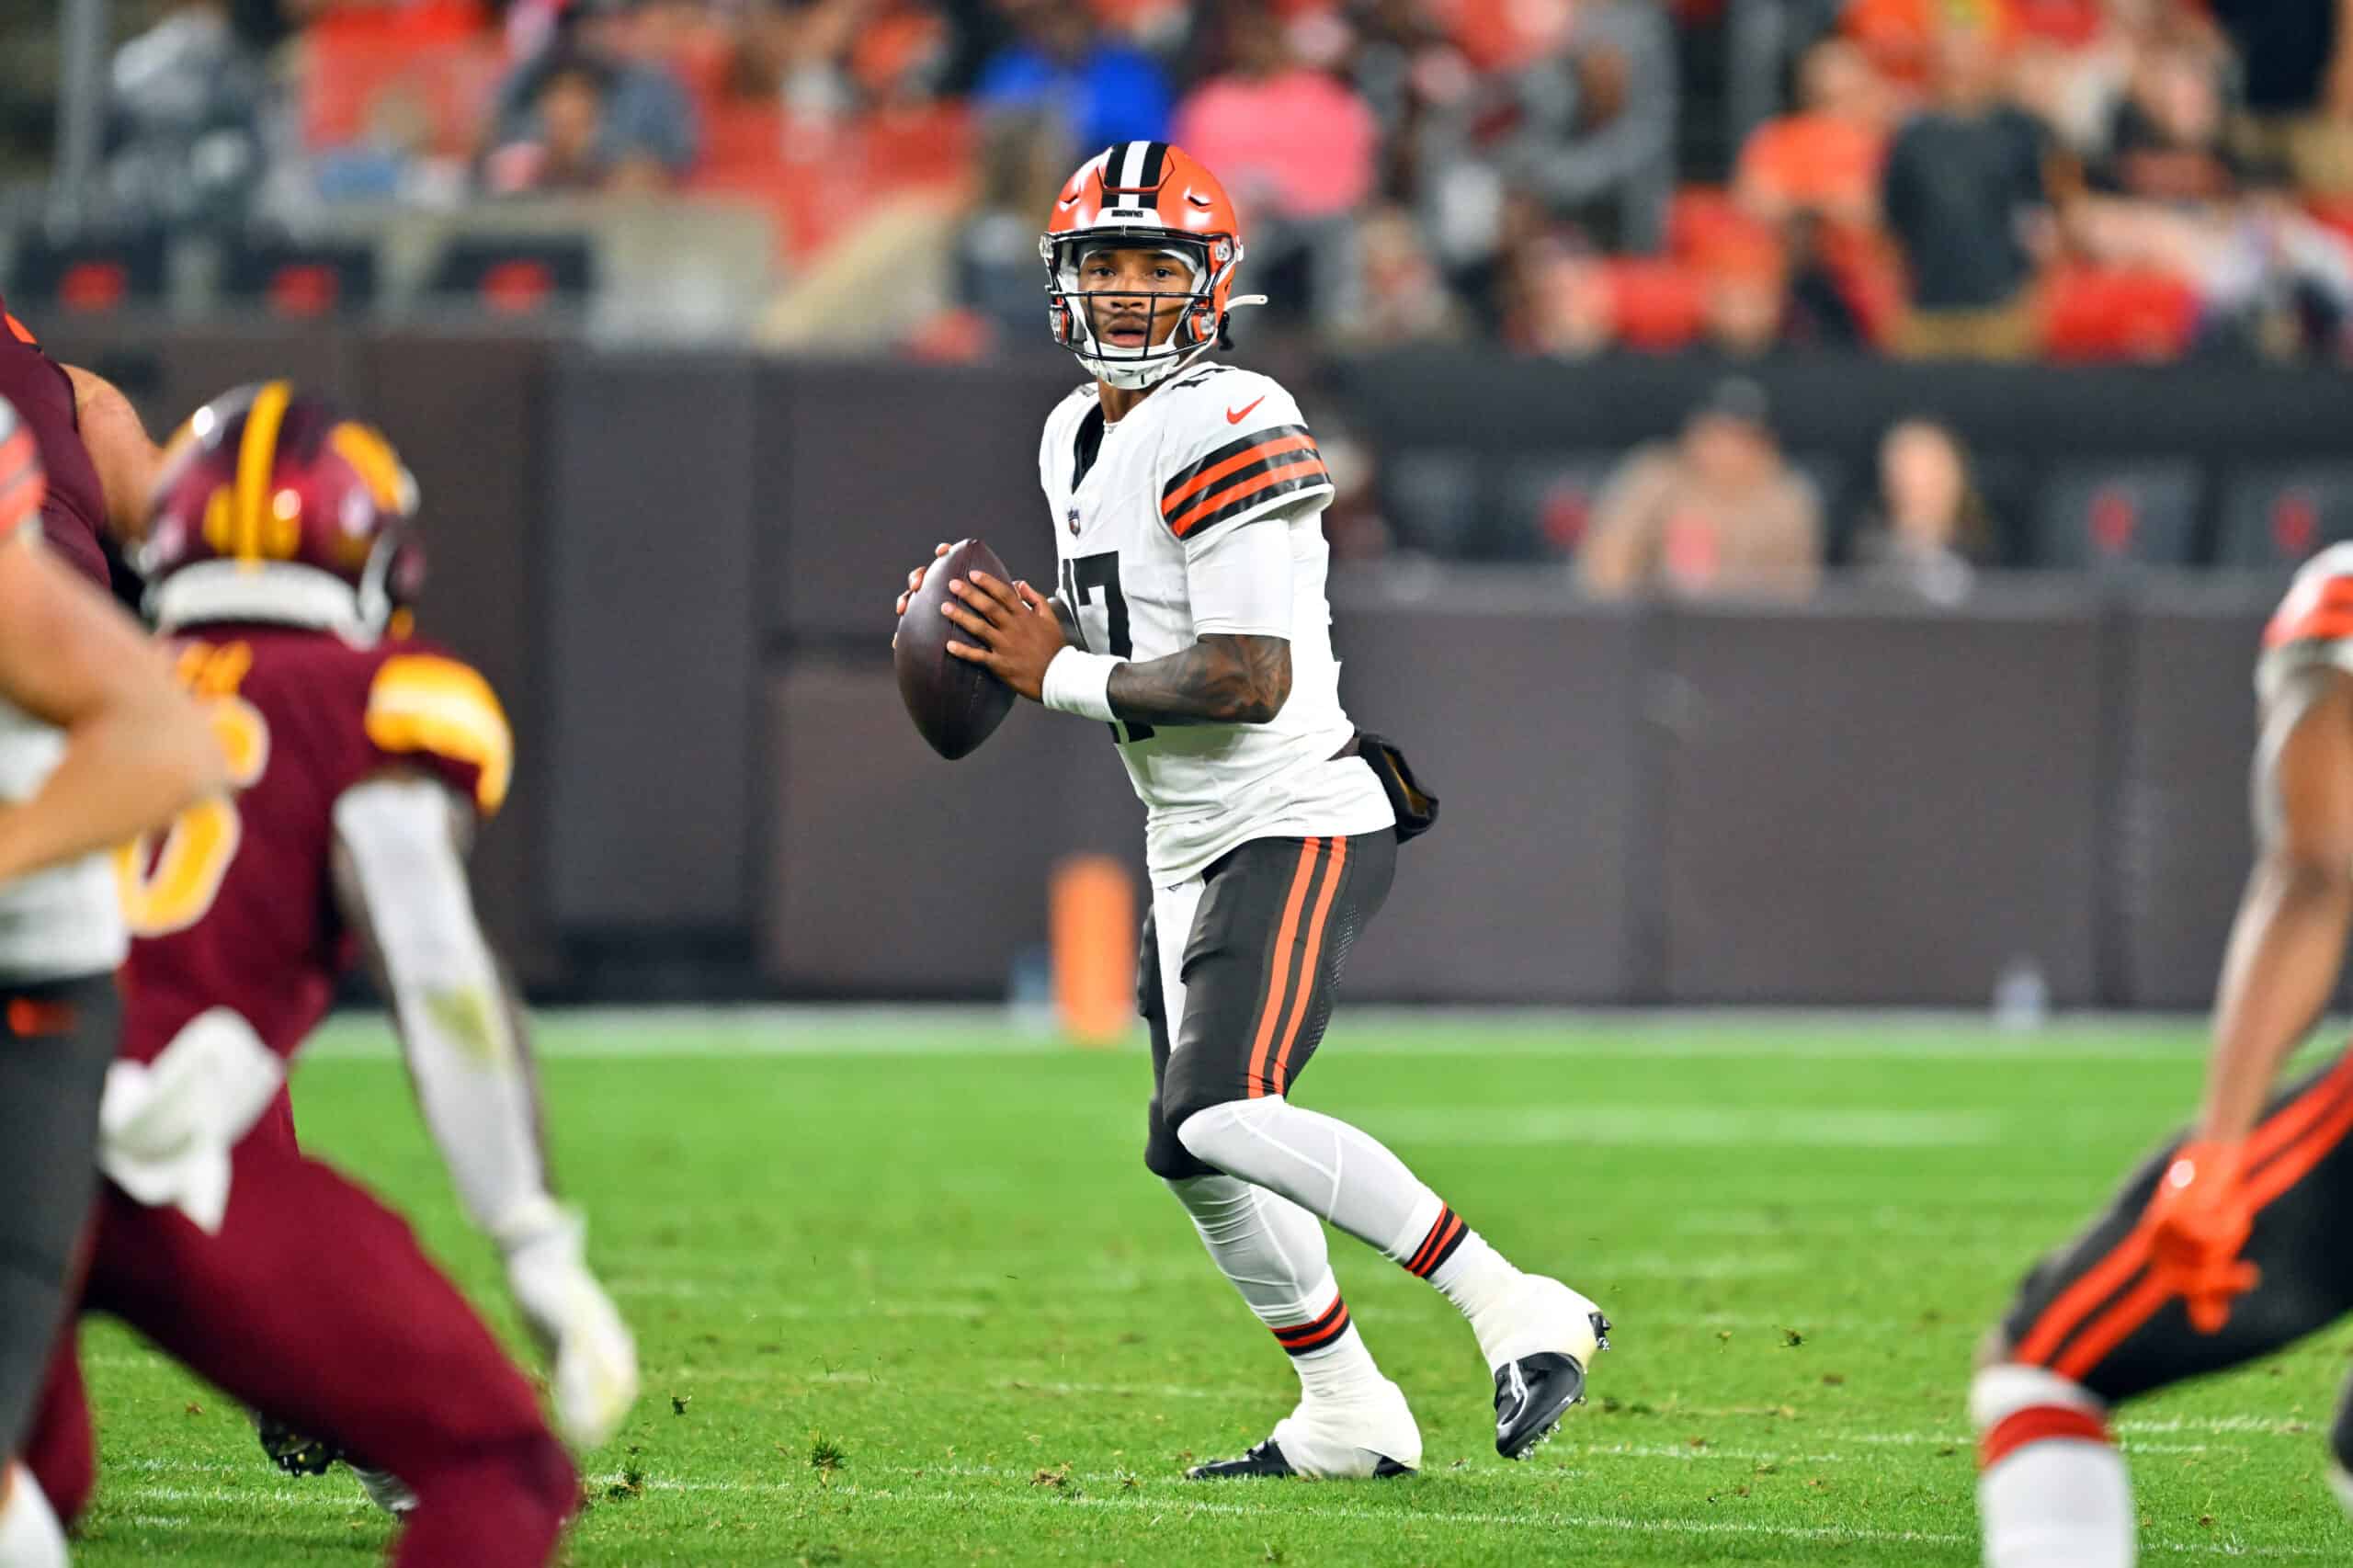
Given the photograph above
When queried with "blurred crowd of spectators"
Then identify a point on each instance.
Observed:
(1981, 177)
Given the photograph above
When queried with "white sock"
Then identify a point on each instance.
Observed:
(30, 1536)
(2342, 1484)
(2054, 1492)
(1342, 1175)
(1273, 1252)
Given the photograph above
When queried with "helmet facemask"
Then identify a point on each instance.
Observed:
(1080, 316)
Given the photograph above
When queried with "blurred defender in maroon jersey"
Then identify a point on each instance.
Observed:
(279, 557)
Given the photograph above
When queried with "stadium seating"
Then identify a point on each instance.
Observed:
(2091, 313)
(2130, 512)
(2274, 517)
(514, 275)
(299, 280)
(89, 277)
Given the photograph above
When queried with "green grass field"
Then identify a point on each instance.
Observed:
(906, 1294)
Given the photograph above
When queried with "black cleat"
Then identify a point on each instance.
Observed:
(1533, 1393)
(1266, 1460)
(292, 1451)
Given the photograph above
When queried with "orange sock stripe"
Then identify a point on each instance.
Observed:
(1432, 1242)
(1333, 864)
(1446, 1246)
(1316, 1335)
(1279, 977)
(2038, 1424)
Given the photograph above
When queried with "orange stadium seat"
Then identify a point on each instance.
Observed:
(817, 182)
(2091, 313)
(349, 71)
(1659, 305)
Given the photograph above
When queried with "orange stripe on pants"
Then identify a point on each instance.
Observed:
(1333, 865)
(1279, 979)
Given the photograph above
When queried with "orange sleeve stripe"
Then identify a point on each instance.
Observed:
(1171, 503)
(1311, 468)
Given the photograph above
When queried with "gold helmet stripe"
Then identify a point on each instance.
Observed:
(257, 462)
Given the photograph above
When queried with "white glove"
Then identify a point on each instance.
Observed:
(594, 1360)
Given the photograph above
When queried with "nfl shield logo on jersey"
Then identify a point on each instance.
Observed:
(1072, 518)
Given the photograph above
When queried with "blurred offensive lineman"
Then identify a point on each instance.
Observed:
(2228, 1245)
(97, 743)
(1186, 501)
(278, 557)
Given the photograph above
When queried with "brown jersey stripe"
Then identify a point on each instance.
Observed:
(1288, 476)
(1230, 459)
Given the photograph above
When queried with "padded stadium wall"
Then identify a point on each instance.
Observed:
(676, 568)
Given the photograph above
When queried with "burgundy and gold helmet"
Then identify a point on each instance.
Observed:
(274, 506)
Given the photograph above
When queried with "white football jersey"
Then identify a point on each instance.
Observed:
(1152, 518)
(65, 922)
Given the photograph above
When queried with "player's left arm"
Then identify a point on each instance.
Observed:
(127, 460)
(399, 880)
(2286, 949)
(2288, 942)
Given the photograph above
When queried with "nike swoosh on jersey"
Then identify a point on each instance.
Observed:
(1236, 416)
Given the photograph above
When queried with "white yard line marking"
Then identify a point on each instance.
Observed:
(1652, 1124)
(596, 1034)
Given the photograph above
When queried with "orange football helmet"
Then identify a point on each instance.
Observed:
(274, 506)
(1142, 193)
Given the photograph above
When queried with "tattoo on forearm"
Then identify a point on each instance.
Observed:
(1221, 679)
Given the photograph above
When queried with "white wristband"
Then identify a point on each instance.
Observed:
(1080, 683)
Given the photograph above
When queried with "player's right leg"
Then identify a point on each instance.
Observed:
(1261, 968)
(1350, 1420)
(315, 1304)
(2090, 1328)
(56, 1039)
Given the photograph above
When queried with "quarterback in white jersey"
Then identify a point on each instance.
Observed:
(1190, 618)
(98, 744)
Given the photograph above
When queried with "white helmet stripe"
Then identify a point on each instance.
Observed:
(1132, 165)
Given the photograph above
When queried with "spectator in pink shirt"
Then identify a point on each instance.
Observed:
(1299, 152)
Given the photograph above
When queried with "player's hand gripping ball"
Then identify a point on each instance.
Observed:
(956, 703)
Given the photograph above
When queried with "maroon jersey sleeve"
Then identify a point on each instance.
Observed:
(428, 710)
(74, 510)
